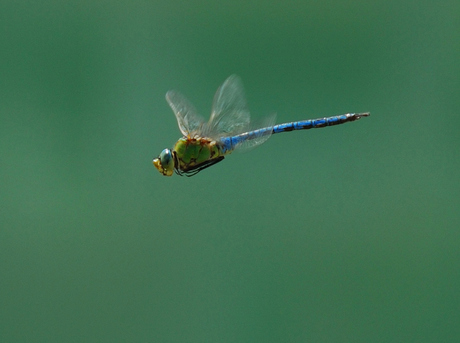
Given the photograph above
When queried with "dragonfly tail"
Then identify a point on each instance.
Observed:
(318, 123)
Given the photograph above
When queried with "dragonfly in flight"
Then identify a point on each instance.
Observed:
(228, 129)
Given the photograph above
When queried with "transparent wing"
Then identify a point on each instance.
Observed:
(189, 121)
(229, 115)
(259, 131)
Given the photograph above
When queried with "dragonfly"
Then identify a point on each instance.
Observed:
(229, 128)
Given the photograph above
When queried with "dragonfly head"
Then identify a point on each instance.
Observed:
(164, 163)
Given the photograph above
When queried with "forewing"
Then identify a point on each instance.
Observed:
(189, 121)
(229, 115)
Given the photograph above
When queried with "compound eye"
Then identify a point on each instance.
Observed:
(165, 157)
(164, 162)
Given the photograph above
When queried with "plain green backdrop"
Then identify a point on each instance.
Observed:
(346, 234)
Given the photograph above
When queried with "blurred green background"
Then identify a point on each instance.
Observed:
(346, 234)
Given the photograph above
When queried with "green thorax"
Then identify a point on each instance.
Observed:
(192, 152)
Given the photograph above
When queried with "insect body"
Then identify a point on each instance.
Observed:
(206, 143)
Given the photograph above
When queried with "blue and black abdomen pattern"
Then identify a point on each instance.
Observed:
(229, 143)
(318, 123)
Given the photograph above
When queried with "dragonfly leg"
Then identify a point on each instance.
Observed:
(199, 167)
